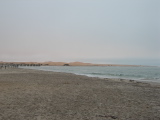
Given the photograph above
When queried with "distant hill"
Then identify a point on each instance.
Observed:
(50, 63)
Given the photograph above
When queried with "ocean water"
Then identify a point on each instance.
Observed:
(150, 74)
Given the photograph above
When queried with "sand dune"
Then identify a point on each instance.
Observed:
(63, 63)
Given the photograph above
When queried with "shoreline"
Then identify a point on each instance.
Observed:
(117, 79)
(48, 95)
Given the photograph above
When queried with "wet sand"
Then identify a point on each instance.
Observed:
(40, 95)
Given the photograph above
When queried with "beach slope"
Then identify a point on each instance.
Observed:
(40, 95)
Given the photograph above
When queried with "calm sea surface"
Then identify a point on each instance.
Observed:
(134, 73)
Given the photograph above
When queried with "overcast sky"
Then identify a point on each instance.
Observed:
(73, 30)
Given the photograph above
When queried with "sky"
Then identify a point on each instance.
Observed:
(101, 31)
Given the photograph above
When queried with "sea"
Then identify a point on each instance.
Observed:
(141, 73)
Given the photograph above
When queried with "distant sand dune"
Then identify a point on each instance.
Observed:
(70, 64)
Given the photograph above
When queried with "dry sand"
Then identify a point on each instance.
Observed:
(39, 95)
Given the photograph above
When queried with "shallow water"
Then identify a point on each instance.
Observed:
(151, 74)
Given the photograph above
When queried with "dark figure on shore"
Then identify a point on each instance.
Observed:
(66, 65)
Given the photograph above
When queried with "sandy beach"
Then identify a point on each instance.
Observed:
(41, 95)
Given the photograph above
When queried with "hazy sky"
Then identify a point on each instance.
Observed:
(74, 30)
